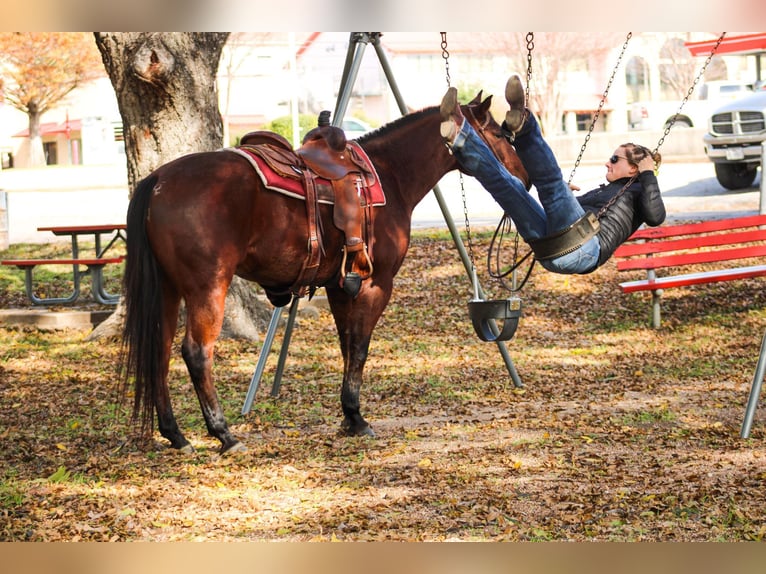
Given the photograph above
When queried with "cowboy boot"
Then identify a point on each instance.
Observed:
(452, 116)
(517, 114)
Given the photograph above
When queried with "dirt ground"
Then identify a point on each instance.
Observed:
(619, 433)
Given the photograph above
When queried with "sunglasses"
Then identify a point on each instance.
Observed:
(616, 158)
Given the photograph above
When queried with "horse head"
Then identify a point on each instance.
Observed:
(480, 117)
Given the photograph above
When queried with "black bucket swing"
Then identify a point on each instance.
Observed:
(485, 314)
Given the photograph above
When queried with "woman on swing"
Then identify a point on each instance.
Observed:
(568, 234)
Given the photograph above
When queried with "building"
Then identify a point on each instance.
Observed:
(264, 76)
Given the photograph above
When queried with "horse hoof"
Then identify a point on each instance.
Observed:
(187, 449)
(235, 448)
(366, 430)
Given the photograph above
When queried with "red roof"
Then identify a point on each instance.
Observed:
(53, 128)
(744, 44)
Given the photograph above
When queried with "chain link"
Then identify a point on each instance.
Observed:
(600, 107)
(445, 56)
(530, 47)
(689, 92)
(667, 128)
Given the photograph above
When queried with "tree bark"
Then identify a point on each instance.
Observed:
(166, 92)
(165, 85)
(36, 151)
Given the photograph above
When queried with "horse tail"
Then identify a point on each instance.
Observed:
(142, 297)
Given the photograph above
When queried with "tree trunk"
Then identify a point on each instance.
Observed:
(166, 92)
(165, 85)
(36, 152)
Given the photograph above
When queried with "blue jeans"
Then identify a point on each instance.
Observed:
(557, 209)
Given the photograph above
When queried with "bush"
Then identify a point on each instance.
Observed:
(284, 125)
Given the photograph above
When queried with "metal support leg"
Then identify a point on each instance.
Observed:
(755, 391)
(268, 341)
(468, 264)
(285, 346)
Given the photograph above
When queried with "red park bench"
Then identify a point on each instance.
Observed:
(721, 241)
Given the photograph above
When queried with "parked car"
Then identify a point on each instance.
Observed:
(354, 127)
(733, 143)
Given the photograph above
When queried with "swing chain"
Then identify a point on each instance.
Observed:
(530, 46)
(445, 56)
(690, 91)
(615, 197)
(600, 107)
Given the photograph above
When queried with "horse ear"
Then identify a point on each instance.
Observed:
(485, 105)
(477, 99)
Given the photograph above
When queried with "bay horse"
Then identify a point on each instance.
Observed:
(198, 220)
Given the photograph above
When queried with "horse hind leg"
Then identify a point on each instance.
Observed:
(203, 325)
(166, 420)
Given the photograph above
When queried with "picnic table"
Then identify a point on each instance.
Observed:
(114, 231)
(105, 236)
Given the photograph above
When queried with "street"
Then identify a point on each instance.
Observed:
(81, 197)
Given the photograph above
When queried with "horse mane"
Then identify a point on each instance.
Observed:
(397, 123)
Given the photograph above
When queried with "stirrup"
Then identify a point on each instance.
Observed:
(352, 283)
(359, 252)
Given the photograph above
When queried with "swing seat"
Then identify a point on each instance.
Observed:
(484, 315)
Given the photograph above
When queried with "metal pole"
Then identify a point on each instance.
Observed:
(755, 391)
(467, 263)
(285, 346)
(357, 44)
(763, 185)
(267, 343)
(350, 71)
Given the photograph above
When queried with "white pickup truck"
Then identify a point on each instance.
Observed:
(734, 141)
(651, 115)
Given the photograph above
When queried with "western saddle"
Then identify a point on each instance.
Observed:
(324, 153)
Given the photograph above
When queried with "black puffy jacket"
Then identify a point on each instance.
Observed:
(640, 203)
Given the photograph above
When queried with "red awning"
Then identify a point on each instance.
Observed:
(53, 128)
(744, 44)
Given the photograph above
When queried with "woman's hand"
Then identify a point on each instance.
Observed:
(646, 164)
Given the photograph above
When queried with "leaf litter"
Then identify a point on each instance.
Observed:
(620, 433)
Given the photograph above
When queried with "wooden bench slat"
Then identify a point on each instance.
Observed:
(82, 229)
(692, 258)
(701, 227)
(695, 242)
(689, 279)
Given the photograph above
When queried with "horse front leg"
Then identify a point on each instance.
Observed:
(203, 325)
(355, 351)
(355, 320)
